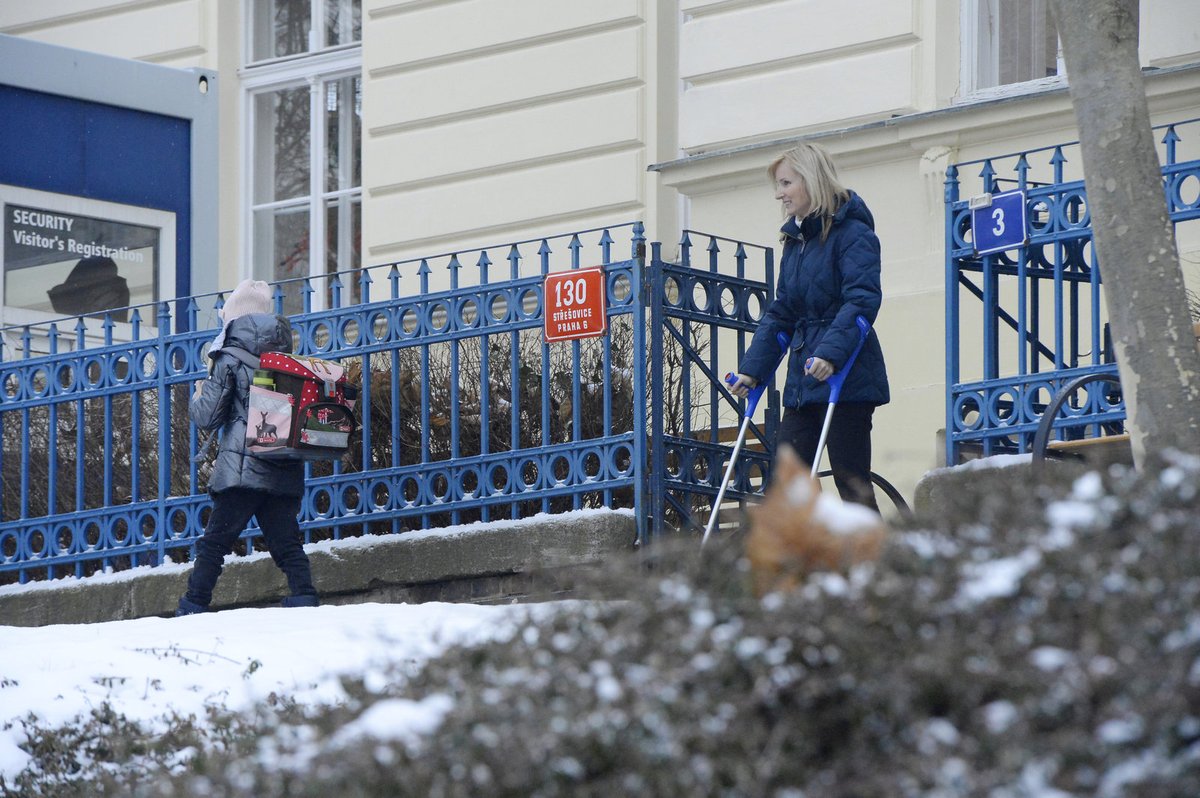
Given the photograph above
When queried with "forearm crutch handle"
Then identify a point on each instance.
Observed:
(835, 388)
(783, 339)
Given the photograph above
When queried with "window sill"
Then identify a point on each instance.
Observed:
(1038, 86)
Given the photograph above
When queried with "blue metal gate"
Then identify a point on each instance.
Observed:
(1040, 322)
(709, 305)
(467, 413)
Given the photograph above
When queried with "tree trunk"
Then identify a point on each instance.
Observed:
(1131, 228)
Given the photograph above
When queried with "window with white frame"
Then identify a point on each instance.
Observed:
(303, 88)
(1008, 46)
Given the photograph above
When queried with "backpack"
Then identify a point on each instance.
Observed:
(300, 408)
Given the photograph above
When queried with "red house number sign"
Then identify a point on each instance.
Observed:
(574, 304)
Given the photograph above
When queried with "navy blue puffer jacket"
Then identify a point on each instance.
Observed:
(823, 286)
(221, 404)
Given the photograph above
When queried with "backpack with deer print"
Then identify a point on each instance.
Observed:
(300, 408)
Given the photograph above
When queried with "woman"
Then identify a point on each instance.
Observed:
(829, 274)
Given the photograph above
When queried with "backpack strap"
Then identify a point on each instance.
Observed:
(202, 453)
(242, 355)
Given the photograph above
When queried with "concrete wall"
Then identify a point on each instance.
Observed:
(530, 118)
(1170, 32)
(176, 33)
(750, 69)
(482, 563)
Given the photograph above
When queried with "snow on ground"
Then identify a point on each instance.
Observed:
(149, 668)
(152, 667)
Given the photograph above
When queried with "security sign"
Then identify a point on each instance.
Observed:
(998, 222)
(574, 304)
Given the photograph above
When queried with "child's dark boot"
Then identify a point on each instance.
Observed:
(189, 608)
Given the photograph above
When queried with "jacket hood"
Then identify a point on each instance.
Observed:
(855, 209)
(258, 333)
(852, 209)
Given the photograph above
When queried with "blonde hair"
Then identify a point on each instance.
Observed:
(814, 166)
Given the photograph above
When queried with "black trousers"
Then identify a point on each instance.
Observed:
(277, 518)
(848, 445)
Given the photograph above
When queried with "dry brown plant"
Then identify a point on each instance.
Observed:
(797, 530)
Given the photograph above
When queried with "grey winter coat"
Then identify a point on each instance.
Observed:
(823, 286)
(221, 404)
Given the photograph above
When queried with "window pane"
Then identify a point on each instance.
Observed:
(280, 28)
(343, 233)
(343, 22)
(281, 250)
(1016, 42)
(1028, 44)
(343, 134)
(281, 154)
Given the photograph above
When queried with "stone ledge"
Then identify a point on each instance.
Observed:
(505, 561)
(952, 490)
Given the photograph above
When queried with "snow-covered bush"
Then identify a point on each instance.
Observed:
(1041, 640)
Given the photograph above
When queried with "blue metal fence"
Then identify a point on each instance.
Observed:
(467, 413)
(710, 303)
(1036, 312)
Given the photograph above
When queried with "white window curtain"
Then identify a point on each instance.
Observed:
(1008, 43)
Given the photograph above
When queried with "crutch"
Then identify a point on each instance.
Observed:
(752, 398)
(835, 387)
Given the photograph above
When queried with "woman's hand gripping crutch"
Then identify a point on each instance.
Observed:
(835, 388)
(783, 339)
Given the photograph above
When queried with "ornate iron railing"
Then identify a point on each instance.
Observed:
(467, 413)
(710, 305)
(1039, 319)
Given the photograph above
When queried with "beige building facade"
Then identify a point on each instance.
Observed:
(392, 129)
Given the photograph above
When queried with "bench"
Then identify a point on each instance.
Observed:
(1101, 450)
(1082, 444)
(729, 435)
(1098, 451)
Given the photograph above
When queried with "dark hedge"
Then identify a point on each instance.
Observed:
(1041, 640)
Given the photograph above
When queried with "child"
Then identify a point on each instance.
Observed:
(241, 484)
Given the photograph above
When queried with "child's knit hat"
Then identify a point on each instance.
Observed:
(250, 296)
